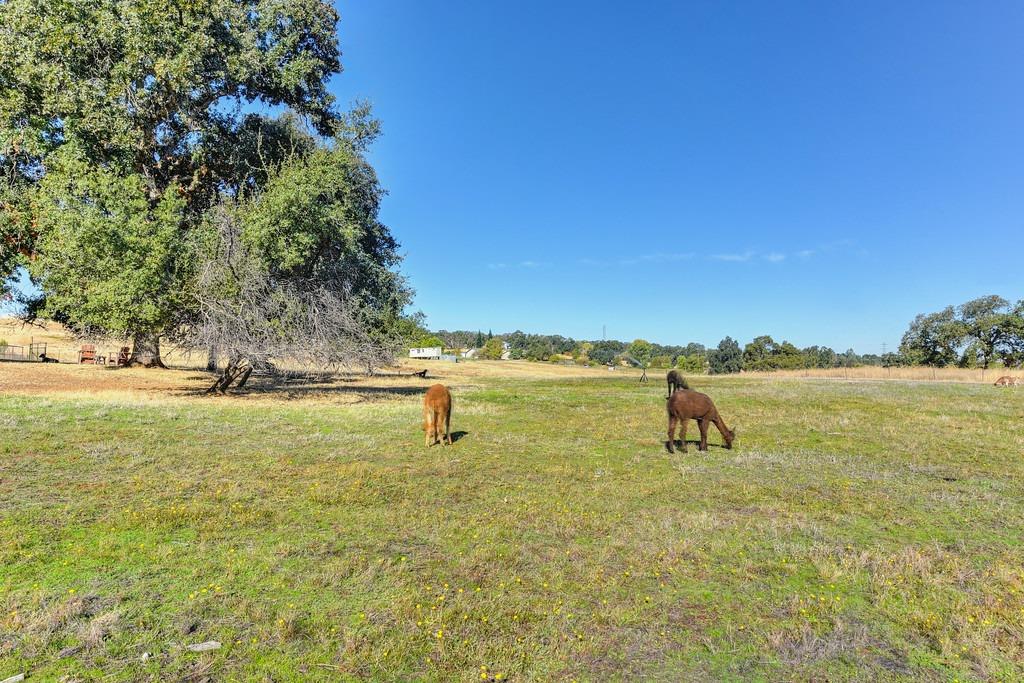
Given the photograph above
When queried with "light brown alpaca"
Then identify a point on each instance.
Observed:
(437, 415)
(1007, 381)
(685, 405)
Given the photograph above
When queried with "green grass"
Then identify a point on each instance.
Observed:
(858, 531)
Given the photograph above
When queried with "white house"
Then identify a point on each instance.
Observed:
(429, 352)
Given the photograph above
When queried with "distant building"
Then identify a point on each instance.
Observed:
(428, 353)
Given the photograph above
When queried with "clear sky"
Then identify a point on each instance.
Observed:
(682, 171)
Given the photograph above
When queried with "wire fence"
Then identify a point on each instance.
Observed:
(916, 373)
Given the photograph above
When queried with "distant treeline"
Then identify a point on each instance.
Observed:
(763, 353)
(974, 334)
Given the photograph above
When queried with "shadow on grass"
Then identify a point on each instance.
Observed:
(695, 442)
(294, 386)
(458, 435)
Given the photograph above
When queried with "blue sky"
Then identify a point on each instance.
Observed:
(820, 172)
(682, 171)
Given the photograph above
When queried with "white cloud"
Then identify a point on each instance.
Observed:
(735, 258)
(667, 257)
(775, 257)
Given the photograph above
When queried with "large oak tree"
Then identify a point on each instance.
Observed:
(123, 122)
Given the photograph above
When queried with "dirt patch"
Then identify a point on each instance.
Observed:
(848, 639)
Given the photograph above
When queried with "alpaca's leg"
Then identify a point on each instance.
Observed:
(428, 429)
(703, 424)
(671, 433)
(682, 432)
(448, 426)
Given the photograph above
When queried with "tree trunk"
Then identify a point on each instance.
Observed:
(211, 359)
(146, 351)
(234, 370)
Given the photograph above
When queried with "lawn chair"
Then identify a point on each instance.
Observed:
(87, 354)
(123, 355)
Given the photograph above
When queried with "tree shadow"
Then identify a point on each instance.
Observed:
(294, 386)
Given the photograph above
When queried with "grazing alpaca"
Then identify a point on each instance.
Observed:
(437, 415)
(675, 381)
(1007, 381)
(685, 405)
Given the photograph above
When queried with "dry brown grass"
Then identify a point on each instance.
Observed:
(60, 345)
(915, 374)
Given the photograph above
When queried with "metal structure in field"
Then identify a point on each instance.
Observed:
(34, 352)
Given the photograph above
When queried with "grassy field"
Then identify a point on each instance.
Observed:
(858, 531)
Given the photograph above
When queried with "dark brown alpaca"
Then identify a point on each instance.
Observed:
(685, 405)
(675, 381)
(437, 415)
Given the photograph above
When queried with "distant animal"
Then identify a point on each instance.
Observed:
(437, 415)
(685, 405)
(421, 373)
(46, 359)
(675, 381)
(1007, 381)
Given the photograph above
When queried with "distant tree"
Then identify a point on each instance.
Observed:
(479, 340)
(661, 361)
(489, 335)
(1010, 347)
(693, 349)
(849, 359)
(428, 341)
(492, 349)
(934, 339)
(410, 331)
(757, 355)
(582, 352)
(537, 351)
(788, 357)
(605, 351)
(986, 322)
(727, 358)
(694, 364)
(641, 351)
(892, 360)
(819, 357)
